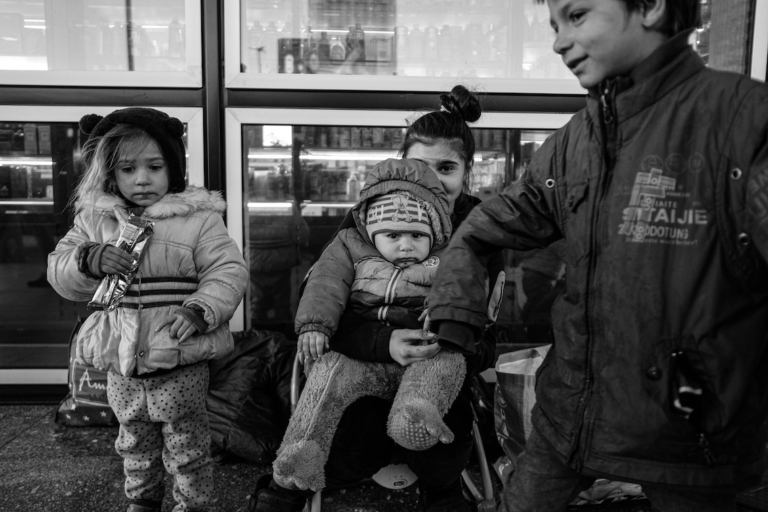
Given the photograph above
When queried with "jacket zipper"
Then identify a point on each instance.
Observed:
(704, 444)
(606, 102)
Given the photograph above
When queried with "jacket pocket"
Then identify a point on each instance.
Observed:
(676, 379)
(163, 351)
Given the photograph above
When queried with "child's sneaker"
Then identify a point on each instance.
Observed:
(144, 506)
(266, 499)
(449, 499)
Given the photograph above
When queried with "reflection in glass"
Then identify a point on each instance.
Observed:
(36, 168)
(93, 35)
(300, 181)
(438, 38)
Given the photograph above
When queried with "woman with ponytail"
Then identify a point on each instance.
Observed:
(443, 141)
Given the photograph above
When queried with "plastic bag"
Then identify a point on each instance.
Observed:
(86, 403)
(515, 397)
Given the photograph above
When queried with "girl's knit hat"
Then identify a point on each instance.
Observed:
(166, 130)
(399, 212)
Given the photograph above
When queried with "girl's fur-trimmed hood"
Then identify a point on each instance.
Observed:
(182, 204)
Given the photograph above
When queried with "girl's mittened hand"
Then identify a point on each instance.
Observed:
(406, 346)
(114, 261)
(311, 346)
(181, 328)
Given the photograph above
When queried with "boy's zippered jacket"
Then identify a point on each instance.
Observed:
(665, 217)
(190, 259)
(352, 273)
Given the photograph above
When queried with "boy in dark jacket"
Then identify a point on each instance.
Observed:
(660, 189)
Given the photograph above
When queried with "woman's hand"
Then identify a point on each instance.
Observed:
(406, 346)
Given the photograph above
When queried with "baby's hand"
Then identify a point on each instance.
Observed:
(181, 327)
(311, 345)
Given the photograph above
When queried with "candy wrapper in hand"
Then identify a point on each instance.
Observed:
(112, 288)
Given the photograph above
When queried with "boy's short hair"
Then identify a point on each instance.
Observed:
(681, 14)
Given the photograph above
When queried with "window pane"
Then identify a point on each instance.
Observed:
(92, 35)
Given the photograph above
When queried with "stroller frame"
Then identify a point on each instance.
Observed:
(483, 501)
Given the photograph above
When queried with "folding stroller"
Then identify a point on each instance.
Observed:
(483, 501)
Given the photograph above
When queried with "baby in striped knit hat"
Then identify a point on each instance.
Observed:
(400, 227)
(381, 268)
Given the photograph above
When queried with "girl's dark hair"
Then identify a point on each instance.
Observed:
(449, 125)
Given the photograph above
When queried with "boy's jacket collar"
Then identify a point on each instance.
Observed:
(181, 204)
(670, 64)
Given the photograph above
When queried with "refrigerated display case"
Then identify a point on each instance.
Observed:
(39, 168)
(299, 173)
(101, 43)
(497, 45)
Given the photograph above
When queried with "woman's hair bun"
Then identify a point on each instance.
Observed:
(174, 127)
(462, 103)
(88, 122)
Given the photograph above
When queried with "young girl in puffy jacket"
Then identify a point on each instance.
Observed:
(173, 317)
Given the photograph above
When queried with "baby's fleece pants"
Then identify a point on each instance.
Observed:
(163, 420)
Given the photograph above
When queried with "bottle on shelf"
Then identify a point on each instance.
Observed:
(367, 136)
(338, 51)
(474, 34)
(355, 43)
(401, 43)
(174, 38)
(313, 183)
(416, 44)
(445, 44)
(377, 137)
(322, 137)
(333, 140)
(353, 187)
(324, 48)
(344, 137)
(431, 44)
(356, 137)
(499, 44)
(255, 47)
(105, 36)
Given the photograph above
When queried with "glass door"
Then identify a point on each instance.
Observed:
(299, 176)
(39, 169)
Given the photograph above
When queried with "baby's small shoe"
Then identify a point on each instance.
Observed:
(418, 426)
